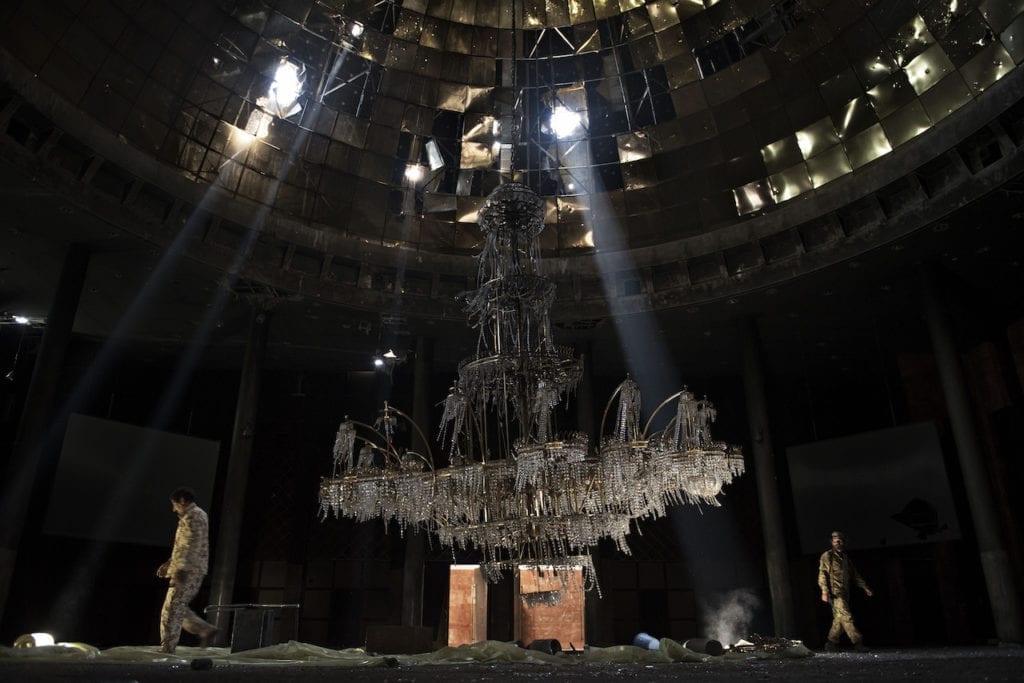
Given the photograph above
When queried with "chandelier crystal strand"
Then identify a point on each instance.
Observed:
(515, 490)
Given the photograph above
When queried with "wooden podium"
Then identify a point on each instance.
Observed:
(467, 605)
(535, 620)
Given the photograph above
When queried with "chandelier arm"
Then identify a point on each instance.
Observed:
(658, 409)
(389, 451)
(608, 407)
(426, 442)
(372, 445)
(479, 435)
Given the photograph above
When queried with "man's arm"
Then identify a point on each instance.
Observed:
(186, 548)
(195, 528)
(823, 576)
(859, 580)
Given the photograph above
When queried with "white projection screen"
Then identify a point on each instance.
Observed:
(883, 488)
(113, 481)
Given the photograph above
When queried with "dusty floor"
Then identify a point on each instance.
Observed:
(945, 664)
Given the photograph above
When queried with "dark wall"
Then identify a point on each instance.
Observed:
(348, 576)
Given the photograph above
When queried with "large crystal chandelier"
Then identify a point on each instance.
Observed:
(514, 489)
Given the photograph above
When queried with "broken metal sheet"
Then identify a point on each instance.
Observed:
(464, 11)
(409, 26)
(451, 96)
(350, 130)
(856, 116)
(839, 90)
(671, 43)
(663, 14)
(906, 123)
(867, 146)
(947, 96)
(439, 203)
(1001, 13)
(787, 184)
(573, 153)
(829, 165)
(587, 38)
(605, 8)
(477, 155)
(575, 235)
(467, 209)
(928, 68)
(990, 64)
(485, 44)
(889, 96)
(488, 14)
(376, 167)
(1012, 39)
(442, 9)
(688, 8)
(781, 154)
(818, 136)
(967, 36)
(460, 39)
(557, 12)
(639, 174)
(876, 67)
(753, 197)
(910, 40)
(479, 128)
(480, 99)
(434, 33)
(638, 24)
(633, 146)
(534, 14)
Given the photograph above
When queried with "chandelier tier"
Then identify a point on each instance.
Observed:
(514, 490)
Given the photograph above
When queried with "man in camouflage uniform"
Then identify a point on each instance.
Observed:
(185, 570)
(836, 573)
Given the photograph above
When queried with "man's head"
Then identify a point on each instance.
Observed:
(181, 499)
(838, 540)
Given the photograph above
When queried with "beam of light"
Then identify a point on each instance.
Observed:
(44, 445)
(708, 538)
(564, 122)
(21, 320)
(66, 610)
(286, 87)
(257, 125)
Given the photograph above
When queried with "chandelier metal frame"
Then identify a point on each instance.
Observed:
(513, 489)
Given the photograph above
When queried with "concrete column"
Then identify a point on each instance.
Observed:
(36, 435)
(1002, 592)
(222, 587)
(415, 540)
(763, 457)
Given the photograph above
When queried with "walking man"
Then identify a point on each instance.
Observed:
(836, 573)
(185, 571)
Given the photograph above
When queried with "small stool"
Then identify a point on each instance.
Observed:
(252, 625)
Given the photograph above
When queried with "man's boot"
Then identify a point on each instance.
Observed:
(208, 636)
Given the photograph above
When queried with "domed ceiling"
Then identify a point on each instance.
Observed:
(686, 150)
